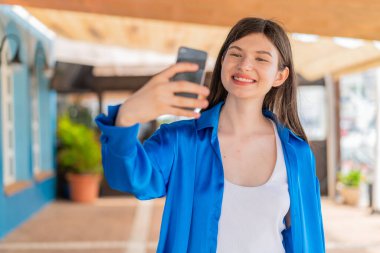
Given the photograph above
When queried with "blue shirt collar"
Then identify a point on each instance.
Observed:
(210, 118)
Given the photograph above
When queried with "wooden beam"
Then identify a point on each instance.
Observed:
(123, 83)
(349, 18)
(111, 83)
(373, 63)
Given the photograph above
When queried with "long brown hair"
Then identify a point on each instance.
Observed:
(281, 100)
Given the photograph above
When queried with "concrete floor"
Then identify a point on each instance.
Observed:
(125, 225)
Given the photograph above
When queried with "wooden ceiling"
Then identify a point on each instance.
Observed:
(160, 36)
(348, 18)
(163, 26)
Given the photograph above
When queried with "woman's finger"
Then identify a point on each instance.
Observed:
(189, 87)
(180, 101)
(177, 68)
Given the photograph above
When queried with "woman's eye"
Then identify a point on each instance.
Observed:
(235, 55)
(261, 59)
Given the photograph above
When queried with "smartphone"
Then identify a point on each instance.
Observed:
(199, 57)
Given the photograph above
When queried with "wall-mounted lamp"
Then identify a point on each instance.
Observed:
(15, 60)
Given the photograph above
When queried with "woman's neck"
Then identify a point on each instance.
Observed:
(243, 118)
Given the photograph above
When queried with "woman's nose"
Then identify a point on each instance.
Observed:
(246, 63)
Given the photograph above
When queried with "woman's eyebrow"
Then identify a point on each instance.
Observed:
(264, 52)
(236, 47)
(259, 51)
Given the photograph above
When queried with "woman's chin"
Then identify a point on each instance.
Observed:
(241, 95)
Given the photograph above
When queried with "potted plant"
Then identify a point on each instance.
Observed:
(79, 158)
(349, 184)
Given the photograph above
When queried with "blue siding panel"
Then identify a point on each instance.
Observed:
(53, 128)
(47, 133)
(1, 150)
(16, 209)
(22, 125)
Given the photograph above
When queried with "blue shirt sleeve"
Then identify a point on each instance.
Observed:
(129, 166)
(320, 215)
(318, 199)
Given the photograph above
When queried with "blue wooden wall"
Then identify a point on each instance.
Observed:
(17, 208)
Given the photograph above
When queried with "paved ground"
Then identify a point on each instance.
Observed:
(125, 225)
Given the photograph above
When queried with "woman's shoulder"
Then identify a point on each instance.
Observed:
(304, 155)
(300, 145)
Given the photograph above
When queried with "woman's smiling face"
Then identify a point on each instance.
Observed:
(250, 67)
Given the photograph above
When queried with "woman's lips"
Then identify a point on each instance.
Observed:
(240, 80)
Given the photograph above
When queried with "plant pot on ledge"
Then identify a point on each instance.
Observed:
(79, 159)
(350, 195)
(349, 186)
(84, 188)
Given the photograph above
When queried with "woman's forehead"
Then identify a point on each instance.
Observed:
(254, 41)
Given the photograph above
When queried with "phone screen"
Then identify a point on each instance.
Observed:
(199, 57)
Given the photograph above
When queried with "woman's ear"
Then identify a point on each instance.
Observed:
(281, 77)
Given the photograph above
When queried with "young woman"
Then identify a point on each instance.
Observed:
(240, 176)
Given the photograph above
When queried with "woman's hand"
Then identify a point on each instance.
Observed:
(157, 98)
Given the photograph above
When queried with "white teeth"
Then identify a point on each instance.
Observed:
(243, 79)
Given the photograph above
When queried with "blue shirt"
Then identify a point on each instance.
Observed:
(182, 161)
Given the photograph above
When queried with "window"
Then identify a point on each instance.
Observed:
(35, 113)
(7, 106)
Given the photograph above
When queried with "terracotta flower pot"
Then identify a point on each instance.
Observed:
(84, 188)
(350, 195)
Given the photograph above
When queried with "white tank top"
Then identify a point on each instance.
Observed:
(252, 218)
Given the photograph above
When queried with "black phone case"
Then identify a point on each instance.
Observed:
(194, 56)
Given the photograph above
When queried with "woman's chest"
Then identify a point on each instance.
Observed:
(249, 161)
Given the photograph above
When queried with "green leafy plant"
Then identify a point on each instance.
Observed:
(79, 149)
(351, 179)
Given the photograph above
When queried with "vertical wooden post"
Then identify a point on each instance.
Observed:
(376, 174)
(100, 101)
(332, 132)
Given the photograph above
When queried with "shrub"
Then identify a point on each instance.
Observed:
(79, 149)
(352, 178)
